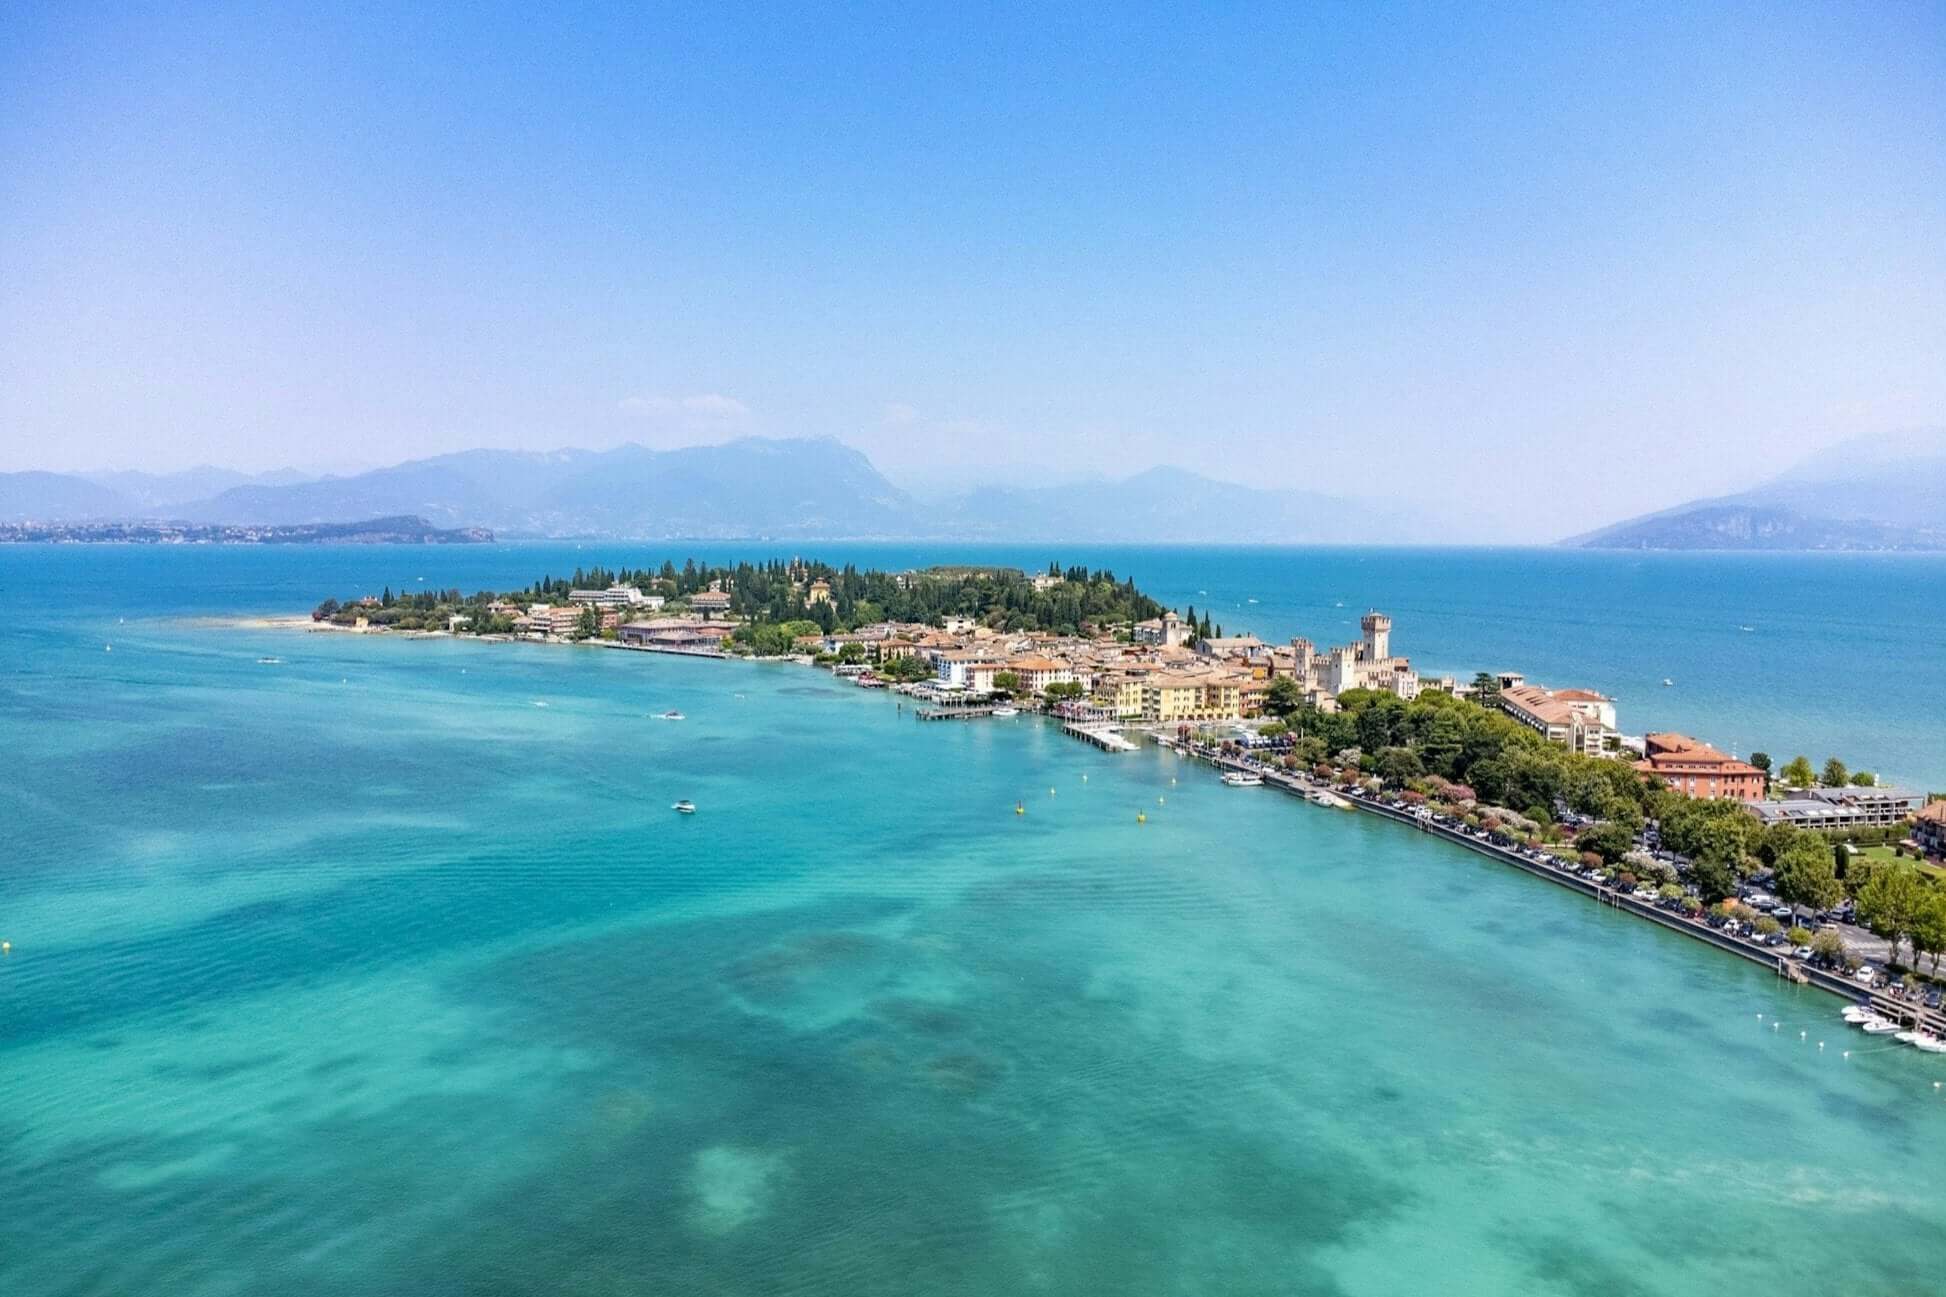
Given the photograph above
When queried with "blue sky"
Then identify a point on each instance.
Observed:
(1643, 251)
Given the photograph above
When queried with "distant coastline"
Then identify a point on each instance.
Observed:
(401, 530)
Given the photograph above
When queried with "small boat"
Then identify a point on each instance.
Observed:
(684, 807)
(1931, 1044)
(671, 715)
(1857, 1013)
(1238, 779)
(1666, 682)
(1006, 711)
(1879, 1027)
(270, 662)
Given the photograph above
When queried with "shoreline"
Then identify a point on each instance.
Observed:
(1540, 865)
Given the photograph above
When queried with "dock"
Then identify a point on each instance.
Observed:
(950, 712)
(1108, 738)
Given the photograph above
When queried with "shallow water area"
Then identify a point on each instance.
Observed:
(361, 973)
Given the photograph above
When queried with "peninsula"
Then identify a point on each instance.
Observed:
(1828, 875)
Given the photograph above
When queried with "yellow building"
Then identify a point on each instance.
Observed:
(1168, 699)
(1119, 695)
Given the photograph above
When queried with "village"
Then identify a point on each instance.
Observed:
(1827, 877)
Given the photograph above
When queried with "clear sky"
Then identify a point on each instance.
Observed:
(1584, 258)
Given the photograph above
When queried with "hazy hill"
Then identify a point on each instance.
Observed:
(1168, 505)
(58, 497)
(154, 493)
(754, 487)
(751, 487)
(1886, 493)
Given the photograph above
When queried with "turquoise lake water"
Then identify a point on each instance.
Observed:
(388, 969)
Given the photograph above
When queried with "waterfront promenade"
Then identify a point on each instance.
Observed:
(1544, 864)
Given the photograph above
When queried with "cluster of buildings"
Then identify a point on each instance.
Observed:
(1161, 674)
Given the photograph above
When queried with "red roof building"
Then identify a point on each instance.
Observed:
(1696, 769)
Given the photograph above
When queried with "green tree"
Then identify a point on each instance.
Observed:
(1929, 928)
(1610, 841)
(1006, 682)
(1863, 779)
(1806, 874)
(1798, 773)
(1828, 945)
(1283, 697)
(1486, 686)
(1761, 760)
(1891, 904)
(1713, 878)
(1835, 775)
(1396, 765)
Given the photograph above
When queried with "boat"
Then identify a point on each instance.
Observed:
(1931, 1044)
(684, 807)
(1879, 1027)
(1238, 779)
(269, 662)
(1006, 711)
(671, 715)
(1666, 682)
(1858, 1013)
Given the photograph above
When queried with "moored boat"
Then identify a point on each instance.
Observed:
(684, 807)
(1238, 779)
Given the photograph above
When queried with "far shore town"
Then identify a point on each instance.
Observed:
(1820, 872)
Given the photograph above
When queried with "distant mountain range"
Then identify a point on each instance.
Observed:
(750, 488)
(373, 531)
(1886, 493)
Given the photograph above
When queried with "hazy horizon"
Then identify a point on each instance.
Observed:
(1361, 253)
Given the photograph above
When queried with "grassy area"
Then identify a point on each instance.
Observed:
(1886, 855)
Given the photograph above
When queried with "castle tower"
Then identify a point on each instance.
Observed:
(1378, 636)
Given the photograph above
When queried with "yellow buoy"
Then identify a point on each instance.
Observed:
(1141, 818)
(1020, 808)
(6, 947)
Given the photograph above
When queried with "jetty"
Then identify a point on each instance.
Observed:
(1108, 738)
(955, 711)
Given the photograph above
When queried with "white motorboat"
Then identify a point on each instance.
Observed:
(1238, 779)
(269, 662)
(1858, 1013)
(1931, 1044)
(671, 715)
(1879, 1027)
(1006, 711)
(684, 807)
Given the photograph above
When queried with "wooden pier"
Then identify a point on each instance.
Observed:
(1107, 738)
(951, 712)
